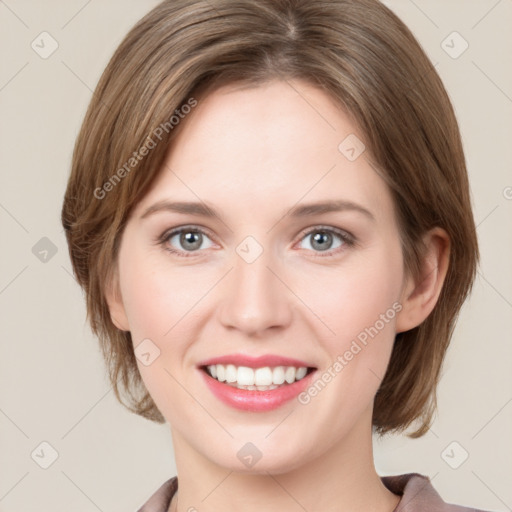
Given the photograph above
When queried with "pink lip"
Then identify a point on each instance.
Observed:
(255, 362)
(253, 400)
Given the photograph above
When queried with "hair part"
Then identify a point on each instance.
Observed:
(360, 54)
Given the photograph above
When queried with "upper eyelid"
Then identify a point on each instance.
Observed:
(192, 227)
(343, 234)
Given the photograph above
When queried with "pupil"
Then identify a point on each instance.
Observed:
(320, 240)
(191, 237)
(319, 237)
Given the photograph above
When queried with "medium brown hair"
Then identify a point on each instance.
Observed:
(361, 55)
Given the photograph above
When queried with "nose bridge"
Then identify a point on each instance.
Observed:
(255, 298)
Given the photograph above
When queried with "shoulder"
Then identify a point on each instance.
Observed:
(160, 500)
(419, 495)
(416, 490)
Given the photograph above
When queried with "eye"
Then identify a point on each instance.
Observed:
(323, 239)
(188, 239)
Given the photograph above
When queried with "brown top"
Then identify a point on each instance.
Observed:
(418, 495)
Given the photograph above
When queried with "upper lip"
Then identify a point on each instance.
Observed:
(255, 362)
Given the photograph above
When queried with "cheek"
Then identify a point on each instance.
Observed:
(360, 308)
(354, 297)
(359, 305)
(161, 301)
(157, 295)
(158, 302)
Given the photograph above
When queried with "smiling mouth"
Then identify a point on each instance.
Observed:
(265, 378)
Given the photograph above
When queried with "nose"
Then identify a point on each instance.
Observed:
(255, 296)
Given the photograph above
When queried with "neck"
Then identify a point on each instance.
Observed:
(343, 478)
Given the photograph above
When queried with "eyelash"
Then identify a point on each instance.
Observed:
(347, 239)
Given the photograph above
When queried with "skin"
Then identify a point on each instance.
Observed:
(252, 154)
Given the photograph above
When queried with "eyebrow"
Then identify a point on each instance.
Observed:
(303, 210)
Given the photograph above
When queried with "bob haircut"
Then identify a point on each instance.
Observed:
(360, 54)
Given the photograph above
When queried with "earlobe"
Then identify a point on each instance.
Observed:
(420, 295)
(115, 304)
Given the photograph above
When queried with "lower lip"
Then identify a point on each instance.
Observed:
(256, 401)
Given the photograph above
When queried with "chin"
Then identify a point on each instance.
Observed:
(249, 459)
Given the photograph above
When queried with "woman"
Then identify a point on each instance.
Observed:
(256, 133)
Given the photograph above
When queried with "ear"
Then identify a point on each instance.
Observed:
(115, 302)
(419, 296)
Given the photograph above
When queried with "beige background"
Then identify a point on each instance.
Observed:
(53, 387)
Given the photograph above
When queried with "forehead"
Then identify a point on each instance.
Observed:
(267, 147)
(278, 122)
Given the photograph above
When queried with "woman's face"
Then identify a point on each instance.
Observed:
(268, 275)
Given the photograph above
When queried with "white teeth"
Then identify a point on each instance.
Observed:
(221, 373)
(278, 375)
(256, 378)
(263, 376)
(245, 376)
(289, 374)
(301, 373)
(231, 373)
